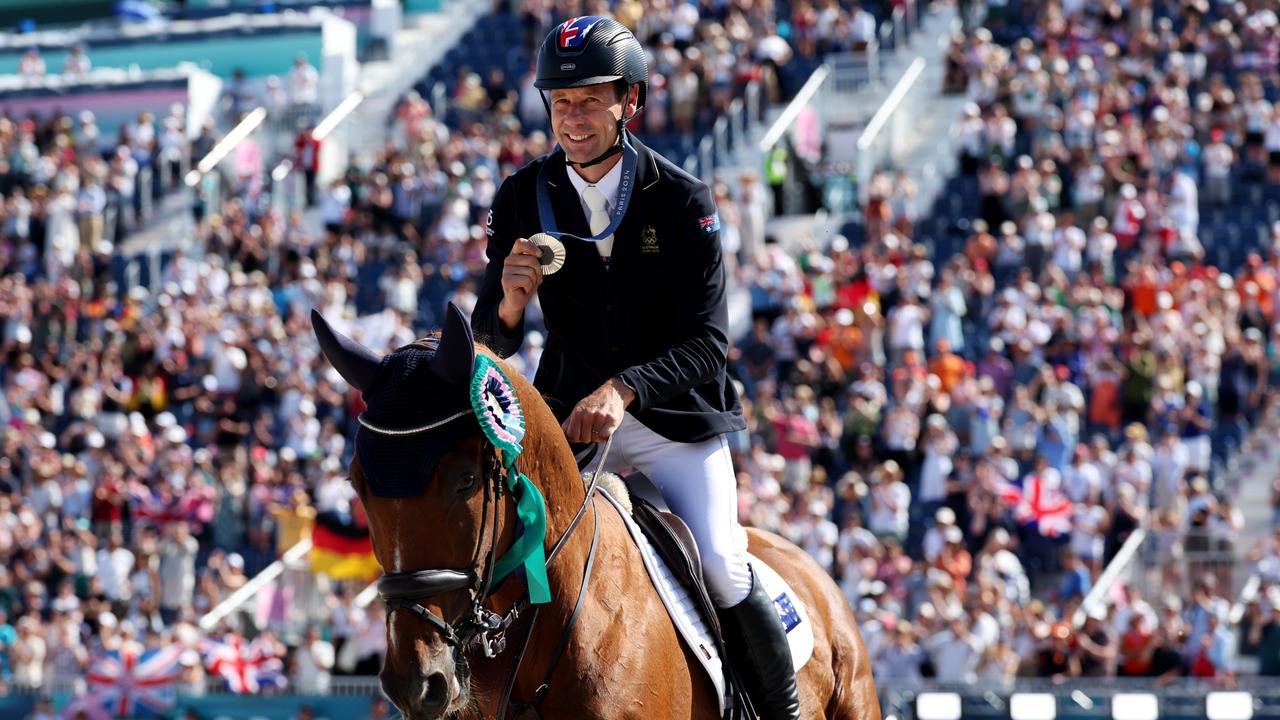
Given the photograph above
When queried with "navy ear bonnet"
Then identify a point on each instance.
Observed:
(417, 398)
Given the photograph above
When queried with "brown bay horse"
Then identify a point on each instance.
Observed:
(604, 646)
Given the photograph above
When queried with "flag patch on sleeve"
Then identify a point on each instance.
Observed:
(710, 224)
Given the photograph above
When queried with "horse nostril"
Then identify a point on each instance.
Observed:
(436, 694)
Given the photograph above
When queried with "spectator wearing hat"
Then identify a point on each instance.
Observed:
(1099, 647)
(889, 503)
(28, 653)
(935, 538)
(954, 559)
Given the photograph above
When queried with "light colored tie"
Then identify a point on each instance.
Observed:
(598, 218)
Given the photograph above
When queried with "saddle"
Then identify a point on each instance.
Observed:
(674, 542)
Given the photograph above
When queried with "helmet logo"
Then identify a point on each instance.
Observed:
(574, 31)
(568, 66)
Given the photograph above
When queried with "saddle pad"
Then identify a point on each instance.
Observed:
(689, 623)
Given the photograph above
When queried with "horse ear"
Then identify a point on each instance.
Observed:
(356, 363)
(456, 353)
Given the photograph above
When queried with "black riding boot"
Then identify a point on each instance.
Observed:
(757, 642)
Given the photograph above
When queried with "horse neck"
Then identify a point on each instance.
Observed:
(555, 472)
(550, 464)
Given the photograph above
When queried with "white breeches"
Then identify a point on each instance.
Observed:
(698, 482)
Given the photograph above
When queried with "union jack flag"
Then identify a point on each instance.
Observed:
(129, 683)
(146, 505)
(1038, 505)
(247, 668)
(575, 30)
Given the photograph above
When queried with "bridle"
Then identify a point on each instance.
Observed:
(402, 590)
(406, 590)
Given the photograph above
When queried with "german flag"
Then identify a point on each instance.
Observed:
(342, 549)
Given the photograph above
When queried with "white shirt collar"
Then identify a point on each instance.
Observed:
(608, 185)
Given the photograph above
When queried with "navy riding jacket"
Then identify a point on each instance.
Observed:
(656, 317)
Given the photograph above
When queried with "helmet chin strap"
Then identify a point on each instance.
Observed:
(614, 150)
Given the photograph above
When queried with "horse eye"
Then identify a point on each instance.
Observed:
(466, 481)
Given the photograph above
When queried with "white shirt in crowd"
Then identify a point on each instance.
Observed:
(1086, 536)
(370, 635)
(1218, 158)
(1081, 481)
(113, 572)
(304, 84)
(906, 328)
(177, 571)
(936, 468)
(313, 667)
(890, 503)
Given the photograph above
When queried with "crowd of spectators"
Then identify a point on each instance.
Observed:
(163, 445)
(913, 408)
(66, 188)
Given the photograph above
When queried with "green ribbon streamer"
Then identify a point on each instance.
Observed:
(527, 549)
(506, 432)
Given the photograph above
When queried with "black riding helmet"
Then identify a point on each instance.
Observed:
(590, 50)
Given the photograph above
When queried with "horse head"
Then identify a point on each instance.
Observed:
(434, 486)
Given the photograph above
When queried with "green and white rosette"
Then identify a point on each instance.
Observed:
(497, 408)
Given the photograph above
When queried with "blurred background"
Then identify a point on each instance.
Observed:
(1004, 281)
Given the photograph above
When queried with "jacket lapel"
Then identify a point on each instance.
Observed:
(640, 212)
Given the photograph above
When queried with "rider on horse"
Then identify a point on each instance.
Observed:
(637, 320)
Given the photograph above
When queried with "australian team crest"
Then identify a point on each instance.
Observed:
(649, 240)
(574, 32)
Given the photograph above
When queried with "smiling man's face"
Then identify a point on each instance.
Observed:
(585, 119)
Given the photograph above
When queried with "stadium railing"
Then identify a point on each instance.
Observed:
(729, 133)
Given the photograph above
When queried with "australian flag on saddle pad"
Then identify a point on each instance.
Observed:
(1038, 503)
(132, 682)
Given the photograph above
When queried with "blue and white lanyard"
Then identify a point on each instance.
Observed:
(547, 215)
